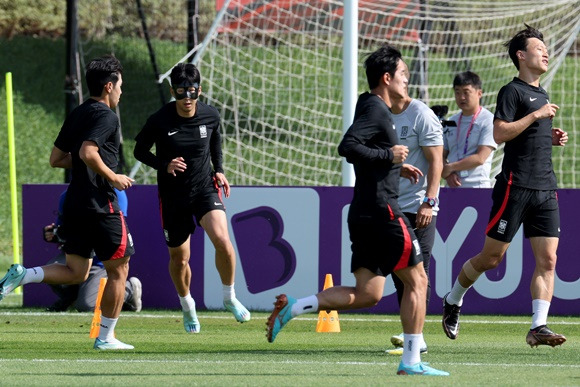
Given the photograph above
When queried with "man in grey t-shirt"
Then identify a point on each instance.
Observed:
(469, 146)
(419, 129)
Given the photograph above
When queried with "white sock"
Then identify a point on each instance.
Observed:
(412, 348)
(539, 312)
(305, 305)
(33, 275)
(107, 330)
(187, 303)
(455, 297)
(229, 292)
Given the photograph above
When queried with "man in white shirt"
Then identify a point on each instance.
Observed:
(469, 146)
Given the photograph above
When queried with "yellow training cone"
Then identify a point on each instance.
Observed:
(328, 319)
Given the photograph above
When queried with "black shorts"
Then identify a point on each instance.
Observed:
(512, 206)
(177, 216)
(384, 248)
(106, 234)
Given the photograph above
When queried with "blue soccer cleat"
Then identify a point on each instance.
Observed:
(11, 280)
(113, 344)
(419, 369)
(239, 311)
(280, 316)
(190, 322)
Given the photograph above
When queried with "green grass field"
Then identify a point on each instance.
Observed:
(40, 348)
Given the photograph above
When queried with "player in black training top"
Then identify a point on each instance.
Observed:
(382, 239)
(88, 143)
(188, 160)
(525, 191)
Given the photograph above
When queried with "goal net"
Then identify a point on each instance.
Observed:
(273, 68)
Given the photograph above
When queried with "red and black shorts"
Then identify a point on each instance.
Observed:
(384, 248)
(177, 215)
(107, 234)
(537, 210)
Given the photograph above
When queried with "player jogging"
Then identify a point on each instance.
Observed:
(525, 191)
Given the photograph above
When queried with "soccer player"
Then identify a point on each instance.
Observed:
(382, 239)
(187, 139)
(469, 145)
(420, 130)
(88, 142)
(525, 190)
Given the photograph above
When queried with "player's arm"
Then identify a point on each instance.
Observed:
(469, 162)
(60, 159)
(434, 156)
(89, 153)
(505, 131)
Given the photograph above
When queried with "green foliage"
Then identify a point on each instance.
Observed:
(99, 18)
(38, 348)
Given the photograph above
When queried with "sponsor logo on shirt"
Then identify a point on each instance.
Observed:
(202, 131)
(532, 99)
(172, 133)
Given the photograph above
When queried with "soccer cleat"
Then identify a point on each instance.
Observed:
(136, 304)
(190, 322)
(280, 316)
(419, 369)
(239, 311)
(11, 280)
(542, 335)
(399, 351)
(113, 344)
(398, 340)
(450, 318)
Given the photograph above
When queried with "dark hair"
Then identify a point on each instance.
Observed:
(467, 78)
(101, 71)
(384, 60)
(520, 42)
(185, 73)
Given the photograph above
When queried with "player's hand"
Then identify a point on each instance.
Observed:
(547, 111)
(411, 172)
(424, 216)
(559, 137)
(49, 232)
(122, 182)
(177, 164)
(223, 183)
(453, 180)
(400, 153)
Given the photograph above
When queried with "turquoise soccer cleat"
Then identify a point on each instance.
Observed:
(11, 280)
(280, 316)
(419, 369)
(190, 321)
(113, 344)
(239, 311)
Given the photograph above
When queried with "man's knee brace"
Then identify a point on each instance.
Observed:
(470, 272)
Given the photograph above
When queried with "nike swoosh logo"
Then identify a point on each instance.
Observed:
(532, 99)
(217, 204)
(172, 133)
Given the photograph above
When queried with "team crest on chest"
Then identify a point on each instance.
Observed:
(202, 131)
(404, 131)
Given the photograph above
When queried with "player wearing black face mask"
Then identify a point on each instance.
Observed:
(186, 90)
(188, 160)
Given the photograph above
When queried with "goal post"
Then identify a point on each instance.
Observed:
(275, 70)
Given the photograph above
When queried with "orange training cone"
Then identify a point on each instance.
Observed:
(96, 323)
(328, 319)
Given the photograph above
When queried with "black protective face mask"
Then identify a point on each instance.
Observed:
(187, 92)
